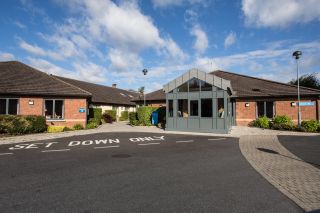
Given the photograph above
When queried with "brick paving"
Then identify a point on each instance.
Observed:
(295, 178)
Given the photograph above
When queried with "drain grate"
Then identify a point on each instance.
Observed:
(121, 156)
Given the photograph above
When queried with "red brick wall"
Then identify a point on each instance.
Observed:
(285, 108)
(244, 115)
(72, 115)
(26, 109)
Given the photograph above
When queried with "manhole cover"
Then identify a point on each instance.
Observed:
(121, 156)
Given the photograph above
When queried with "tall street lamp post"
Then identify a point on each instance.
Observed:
(144, 71)
(297, 55)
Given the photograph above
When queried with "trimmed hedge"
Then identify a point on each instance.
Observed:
(133, 118)
(262, 122)
(144, 115)
(112, 113)
(282, 122)
(92, 125)
(19, 124)
(55, 129)
(124, 116)
(310, 125)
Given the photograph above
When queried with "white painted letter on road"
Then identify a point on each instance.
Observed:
(74, 143)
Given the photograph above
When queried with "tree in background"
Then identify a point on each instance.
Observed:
(308, 80)
(141, 90)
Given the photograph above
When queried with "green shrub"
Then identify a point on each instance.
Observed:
(310, 125)
(112, 113)
(95, 114)
(78, 127)
(18, 124)
(262, 122)
(92, 125)
(107, 118)
(54, 129)
(38, 123)
(144, 115)
(282, 122)
(65, 129)
(133, 118)
(124, 116)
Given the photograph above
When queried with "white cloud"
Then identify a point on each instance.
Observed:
(20, 25)
(230, 40)
(275, 13)
(124, 61)
(168, 3)
(6, 56)
(36, 50)
(201, 42)
(81, 71)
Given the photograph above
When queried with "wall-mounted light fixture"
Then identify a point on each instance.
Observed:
(293, 104)
(31, 102)
(246, 104)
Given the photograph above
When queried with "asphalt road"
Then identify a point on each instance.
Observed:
(134, 172)
(306, 148)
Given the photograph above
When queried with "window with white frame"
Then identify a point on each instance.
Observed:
(54, 109)
(9, 106)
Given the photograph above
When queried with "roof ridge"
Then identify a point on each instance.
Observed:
(276, 82)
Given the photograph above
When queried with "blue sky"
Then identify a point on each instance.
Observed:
(109, 42)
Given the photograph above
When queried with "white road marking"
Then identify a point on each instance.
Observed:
(106, 147)
(56, 150)
(216, 139)
(145, 144)
(189, 141)
(9, 153)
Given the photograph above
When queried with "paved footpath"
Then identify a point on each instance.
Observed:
(295, 178)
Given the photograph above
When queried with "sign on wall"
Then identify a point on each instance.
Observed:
(82, 110)
(306, 103)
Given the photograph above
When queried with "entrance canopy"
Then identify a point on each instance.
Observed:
(195, 73)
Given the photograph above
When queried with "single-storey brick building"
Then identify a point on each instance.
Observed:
(251, 97)
(64, 102)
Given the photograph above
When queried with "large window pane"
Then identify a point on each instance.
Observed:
(183, 87)
(183, 108)
(260, 108)
(3, 105)
(13, 107)
(194, 85)
(48, 111)
(269, 109)
(206, 108)
(170, 108)
(205, 86)
(194, 108)
(58, 109)
(220, 107)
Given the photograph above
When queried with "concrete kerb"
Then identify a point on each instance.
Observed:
(236, 132)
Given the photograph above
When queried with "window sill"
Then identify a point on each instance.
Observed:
(57, 120)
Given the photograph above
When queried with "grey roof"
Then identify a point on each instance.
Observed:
(158, 95)
(17, 78)
(103, 94)
(247, 86)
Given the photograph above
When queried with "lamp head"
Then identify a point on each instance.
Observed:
(297, 54)
(144, 71)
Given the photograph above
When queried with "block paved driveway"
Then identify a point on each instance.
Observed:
(134, 172)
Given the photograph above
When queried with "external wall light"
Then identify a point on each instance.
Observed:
(293, 104)
(246, 104)
(31, 102)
